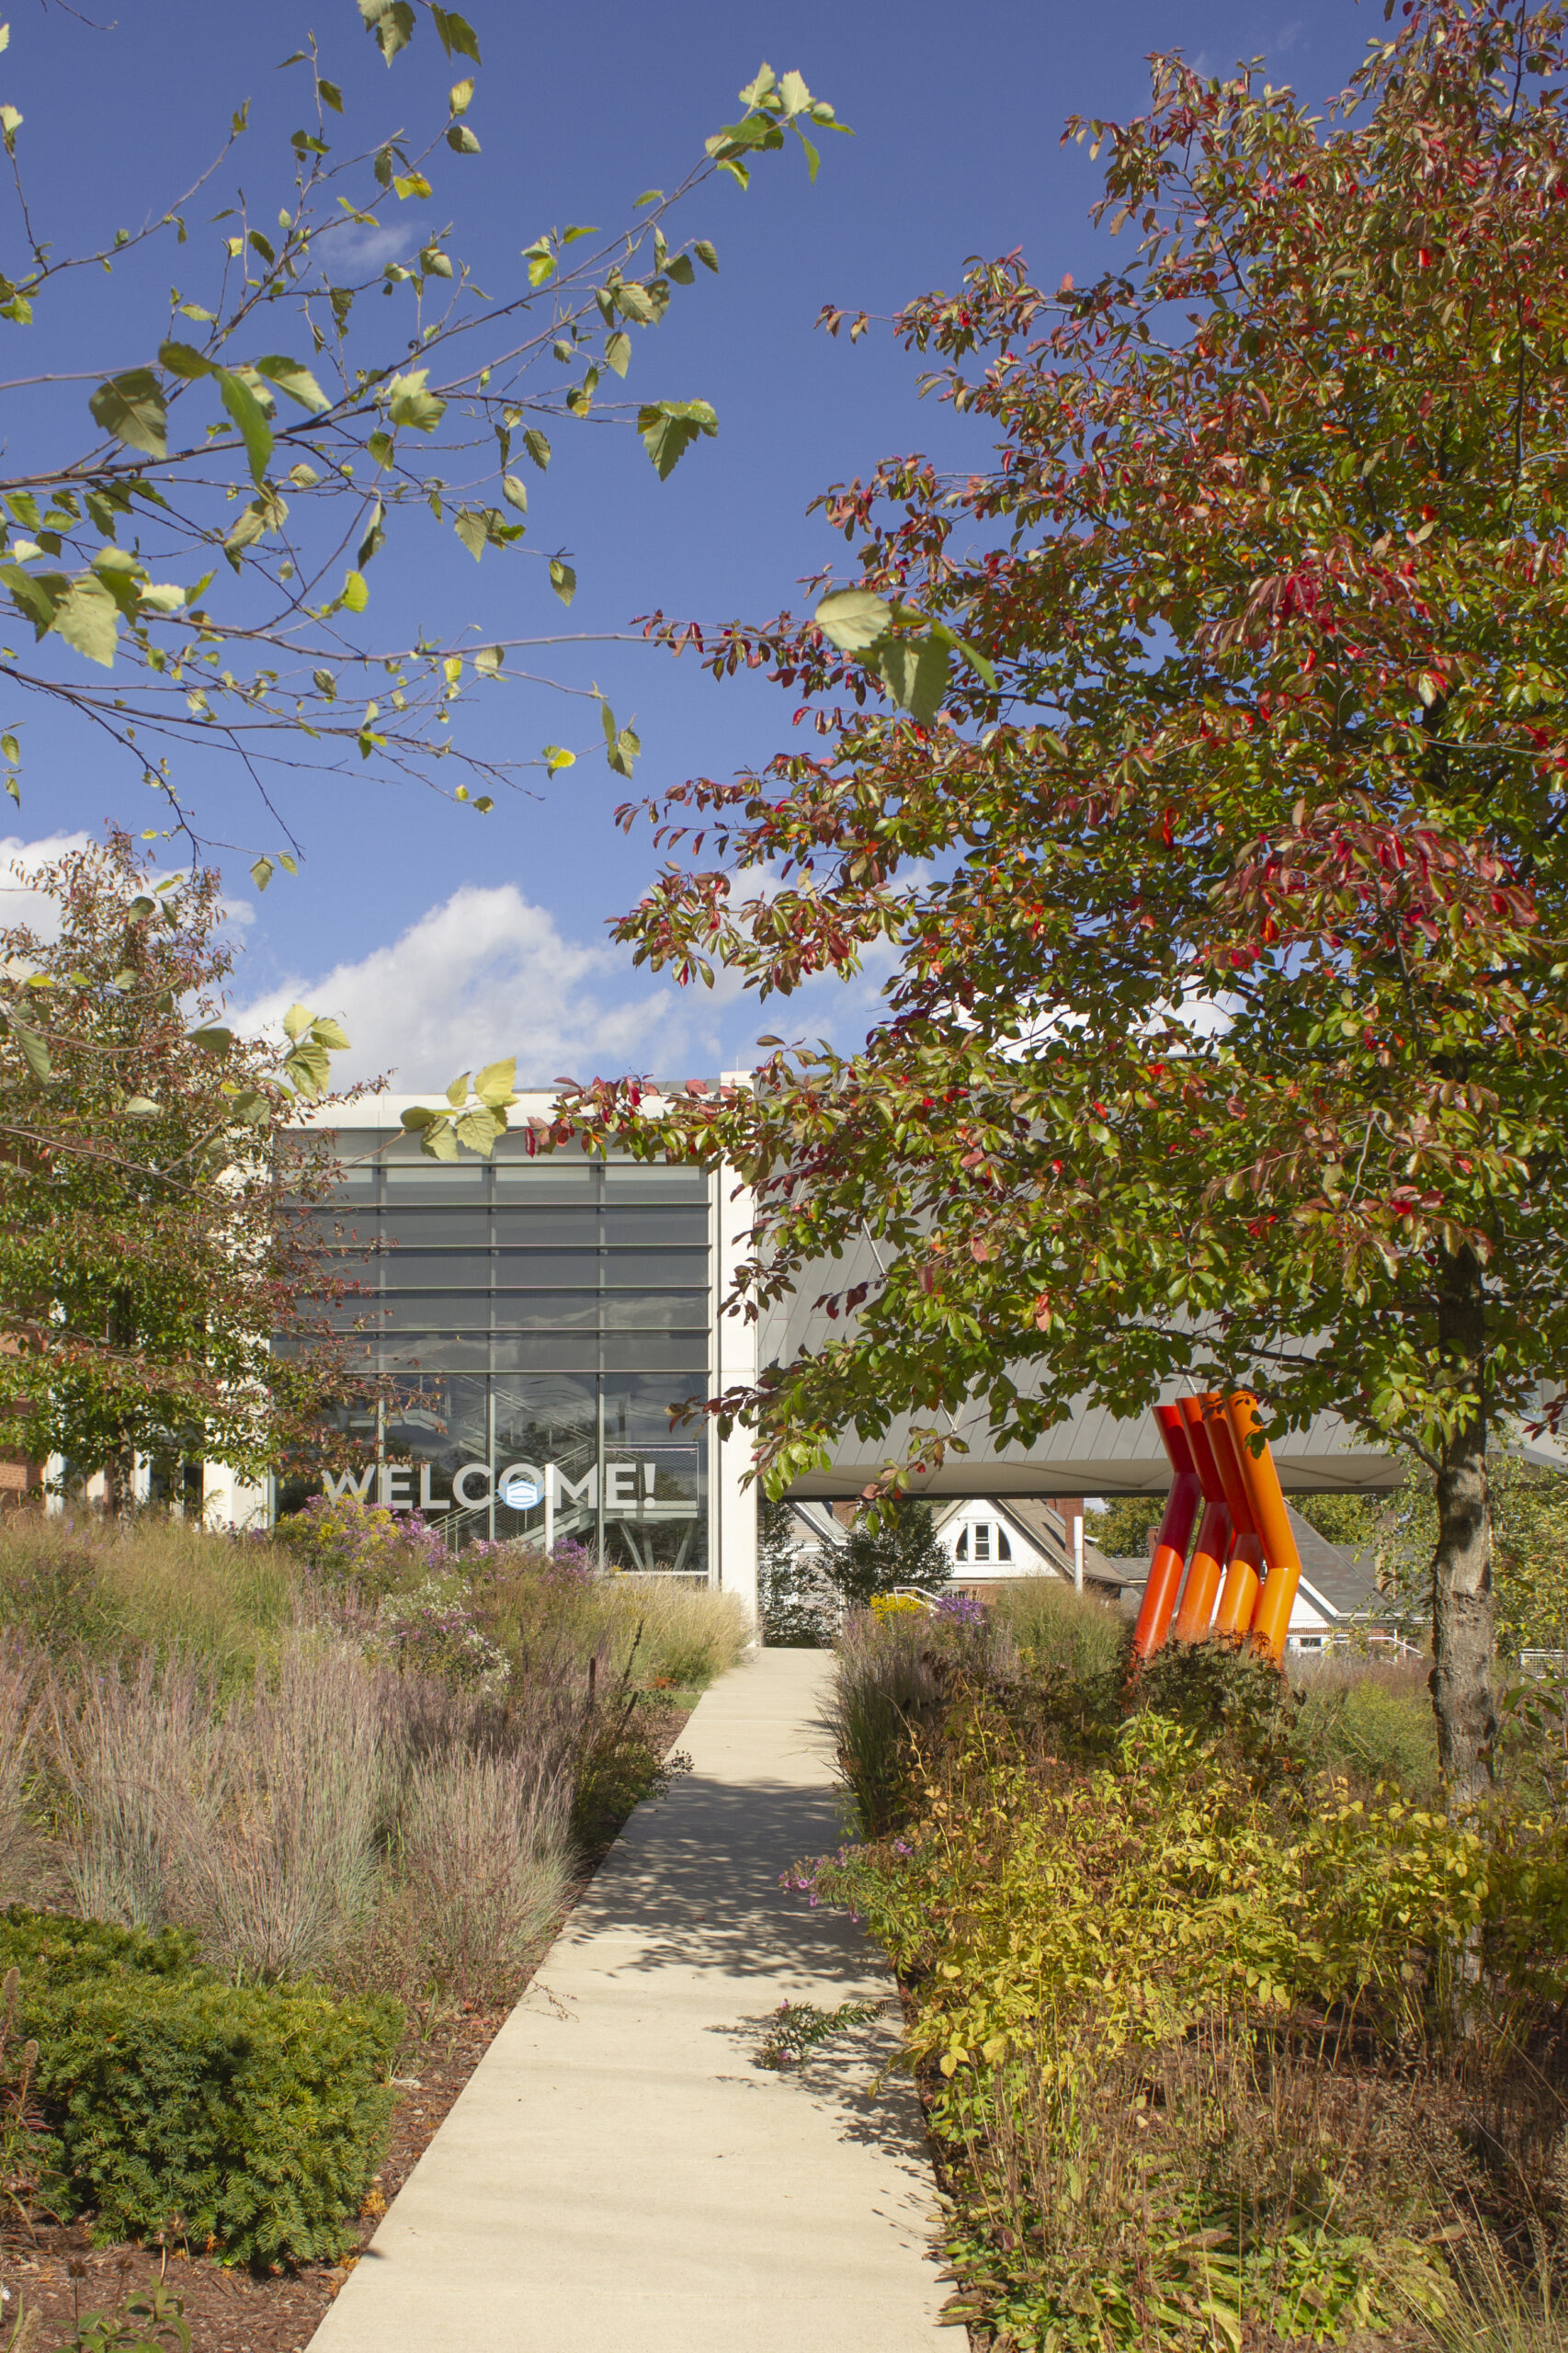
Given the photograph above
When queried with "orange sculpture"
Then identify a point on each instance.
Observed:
(1176, 1533)
(1210, 1442)
(1214, 1549)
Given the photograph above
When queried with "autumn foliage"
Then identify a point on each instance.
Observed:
(1227, 1030)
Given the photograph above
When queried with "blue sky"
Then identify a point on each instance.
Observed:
(441, 938)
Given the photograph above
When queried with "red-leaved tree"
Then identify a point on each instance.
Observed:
(1201, 755)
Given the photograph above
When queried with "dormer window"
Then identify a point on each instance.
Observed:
(982, 1542)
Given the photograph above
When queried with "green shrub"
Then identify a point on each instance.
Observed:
(247, 2120)
(1371, 1722)
(61, 1950)
(1120, 1982)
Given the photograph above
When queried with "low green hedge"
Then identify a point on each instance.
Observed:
(248, 2120)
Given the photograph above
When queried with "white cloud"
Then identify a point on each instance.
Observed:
(19, 858)
(355, 247)
(486, 974)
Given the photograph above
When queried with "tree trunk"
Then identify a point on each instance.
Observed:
(119, 1483)
(1462, 1565)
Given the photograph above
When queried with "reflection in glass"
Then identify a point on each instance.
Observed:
(545, 1229)
(659, 1267)
(640, 1228)
(438, 1271)
(636, 1408)
(529, 1270)
(437, 1352)
(553, 1419)
(656, 1310)
(655, 1508)
(633, 1351)
(546, 1310)
(420, 1229)
(630, 1181)
(451, 1311)
(546, 1351)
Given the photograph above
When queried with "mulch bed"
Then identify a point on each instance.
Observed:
(58, 2272)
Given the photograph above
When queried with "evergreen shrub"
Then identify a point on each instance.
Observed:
(246, 2121)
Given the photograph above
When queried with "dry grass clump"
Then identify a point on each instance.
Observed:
(76, 1582)
(485, 1857)
(385, 1785)
(277, 1834)
(1369, 1719)
(1058, 1629)
(22, 1677)
(281, 1823)
(549, 1619)
(128, 1752)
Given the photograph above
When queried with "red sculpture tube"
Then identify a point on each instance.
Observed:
(1239, 1598)
(1271, 1618)
(1212, 1548)
(1209, 1558)
(1170, 1545)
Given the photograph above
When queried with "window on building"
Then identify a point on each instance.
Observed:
(534, 1313)
(982, 1542)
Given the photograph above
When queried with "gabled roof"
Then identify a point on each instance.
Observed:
(1336, 1576)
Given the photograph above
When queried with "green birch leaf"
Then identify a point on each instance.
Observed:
(87, 617)
(456, 34)
(915, 670)
(538, 447)
(515, 493)
(392, 21)
(853, 619)
(497, 1082)
(470, 529)
(668, 428)
(36, 594)
(375, 536)
(292, 376)
(408, 402)
(134, 409)
(34, 1052)
(250, 418)
(184, 359)
(617, 352)
(562, 579)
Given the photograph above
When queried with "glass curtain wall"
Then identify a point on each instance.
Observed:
(539, 1317)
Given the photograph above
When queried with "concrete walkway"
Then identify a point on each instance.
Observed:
(619, 2177)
